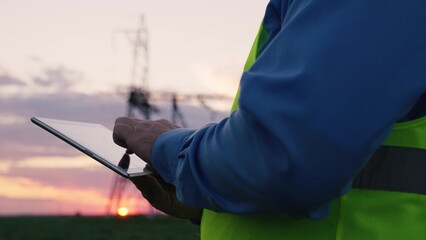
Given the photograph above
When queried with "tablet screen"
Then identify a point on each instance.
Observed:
(95, 140)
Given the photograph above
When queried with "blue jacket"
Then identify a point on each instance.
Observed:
(331, 81)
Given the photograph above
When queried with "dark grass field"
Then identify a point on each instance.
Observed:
(96, 228)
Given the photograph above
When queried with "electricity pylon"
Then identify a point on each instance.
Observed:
(137, 98)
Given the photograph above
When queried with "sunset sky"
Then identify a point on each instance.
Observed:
(68, 60)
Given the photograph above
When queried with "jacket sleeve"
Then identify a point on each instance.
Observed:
(323, 95)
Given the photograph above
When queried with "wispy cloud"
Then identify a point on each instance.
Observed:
(10, 119)
(7, 80)
(23, 139)
(37, 167)
(58, 78)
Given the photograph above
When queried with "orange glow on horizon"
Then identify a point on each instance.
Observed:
(19, 193)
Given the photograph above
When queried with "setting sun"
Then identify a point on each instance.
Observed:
(123, 211)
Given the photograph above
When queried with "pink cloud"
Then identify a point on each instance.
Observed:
(21, 140)
(6, 80)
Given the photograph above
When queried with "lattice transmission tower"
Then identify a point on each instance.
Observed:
(138, 97)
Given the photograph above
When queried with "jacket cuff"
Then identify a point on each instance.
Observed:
(164, 154)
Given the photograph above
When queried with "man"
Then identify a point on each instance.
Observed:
(326, 141)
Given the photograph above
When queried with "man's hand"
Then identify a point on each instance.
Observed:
(139, 136)
(162, 196)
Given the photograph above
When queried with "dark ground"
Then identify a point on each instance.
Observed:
(96, 228)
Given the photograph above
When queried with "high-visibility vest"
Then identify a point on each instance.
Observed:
(387, 199)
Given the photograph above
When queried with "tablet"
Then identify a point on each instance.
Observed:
(95, 140)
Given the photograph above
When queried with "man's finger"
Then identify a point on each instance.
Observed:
(124, 161)
(121, 132)
(126, 120)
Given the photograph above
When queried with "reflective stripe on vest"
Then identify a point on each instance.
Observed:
(387, 200)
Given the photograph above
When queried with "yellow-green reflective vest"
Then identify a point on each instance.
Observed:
(387, 201)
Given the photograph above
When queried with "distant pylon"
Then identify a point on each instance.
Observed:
(177, 114)
(138, 99)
